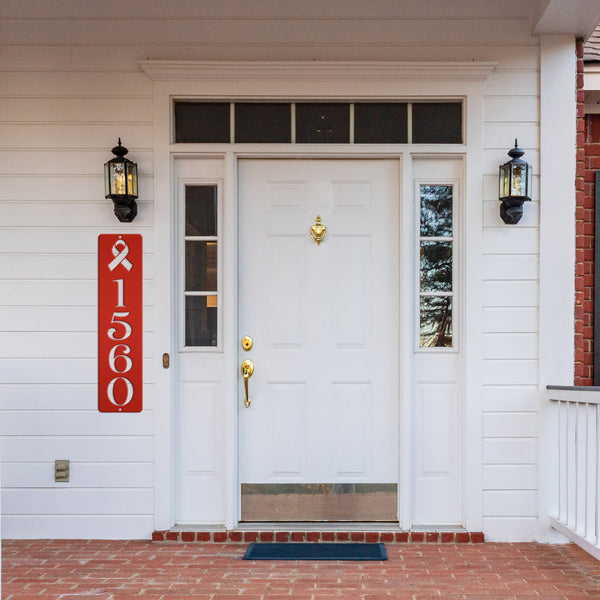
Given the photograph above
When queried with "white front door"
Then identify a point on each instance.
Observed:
(319, 440)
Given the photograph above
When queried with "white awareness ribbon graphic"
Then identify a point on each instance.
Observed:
(120, 256)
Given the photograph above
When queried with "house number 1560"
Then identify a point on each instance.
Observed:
(120, 304)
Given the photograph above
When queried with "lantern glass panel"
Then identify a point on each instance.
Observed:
(504, 190)
(117, 178)
(519, 181)
(106, 179)
(132, 179)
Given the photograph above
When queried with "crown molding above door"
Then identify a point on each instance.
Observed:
(169, 70)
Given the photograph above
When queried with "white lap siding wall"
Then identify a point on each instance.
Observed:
(510, 293)
(69, 86)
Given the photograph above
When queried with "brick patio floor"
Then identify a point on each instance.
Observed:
(115, 570)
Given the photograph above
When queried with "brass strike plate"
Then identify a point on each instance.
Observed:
(247, 343)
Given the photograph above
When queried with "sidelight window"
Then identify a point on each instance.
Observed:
(436, 267)
(200, 281)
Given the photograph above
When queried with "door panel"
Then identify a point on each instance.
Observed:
(324, 319)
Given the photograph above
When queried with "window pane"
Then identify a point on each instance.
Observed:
(436, 266)
(380, 123)
(263, 123)
(202, 122)
(436, 322)
(201, 210)
(201, 321)
(437, 123)
(436, 211)
(323, 123)
(201, 266)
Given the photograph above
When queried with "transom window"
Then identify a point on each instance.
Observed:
(318, 122)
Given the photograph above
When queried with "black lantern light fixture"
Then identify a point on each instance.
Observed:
(121, 184)
(515, 186)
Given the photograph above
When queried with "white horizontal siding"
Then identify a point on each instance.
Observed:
(58, 266)
(62, 188)
(61, 239)
(24, 475)
(58, 318)
(58, 396)
(65, 422)
(78, 447)
(57, 370)
(70, 501)
(510, 477)
(72, 136)
(57, 292)
(510, 398)
(76, 526)
(81, 213)
(61, 84)
(49, 344)
(523, 346)
(502, 529)
(510, 266)
(519, 451)
(510, 319)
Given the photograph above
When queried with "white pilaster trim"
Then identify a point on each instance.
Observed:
(558, 152)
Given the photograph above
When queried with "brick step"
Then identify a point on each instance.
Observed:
(389, 537)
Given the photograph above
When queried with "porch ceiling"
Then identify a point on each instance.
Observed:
(578, 17)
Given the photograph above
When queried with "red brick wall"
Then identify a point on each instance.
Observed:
(588, 161)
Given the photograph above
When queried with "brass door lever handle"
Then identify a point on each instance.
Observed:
(247, 370)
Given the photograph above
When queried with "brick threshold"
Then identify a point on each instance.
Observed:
(242, 536)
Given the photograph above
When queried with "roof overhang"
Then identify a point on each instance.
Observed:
(572, 17)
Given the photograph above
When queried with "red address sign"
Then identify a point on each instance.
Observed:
(120, 346)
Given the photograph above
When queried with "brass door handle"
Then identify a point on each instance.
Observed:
(247, 370)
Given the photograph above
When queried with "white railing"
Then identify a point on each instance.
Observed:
(577, 504)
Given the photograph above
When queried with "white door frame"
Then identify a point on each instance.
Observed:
(315, 81)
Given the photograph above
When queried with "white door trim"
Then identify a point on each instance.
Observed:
(449, 80)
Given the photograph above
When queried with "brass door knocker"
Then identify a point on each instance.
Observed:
(318, 230)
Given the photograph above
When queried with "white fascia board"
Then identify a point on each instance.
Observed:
(568, 17)
(591, 77)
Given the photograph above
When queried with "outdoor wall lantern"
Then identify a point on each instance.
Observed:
(515, 186)
(121, 184)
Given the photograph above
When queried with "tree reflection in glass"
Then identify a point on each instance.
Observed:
(436, 322)
(436, 211)
(436, 266)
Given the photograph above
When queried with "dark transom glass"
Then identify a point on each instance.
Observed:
(322, 123)
(263, 123)
(380, 123)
